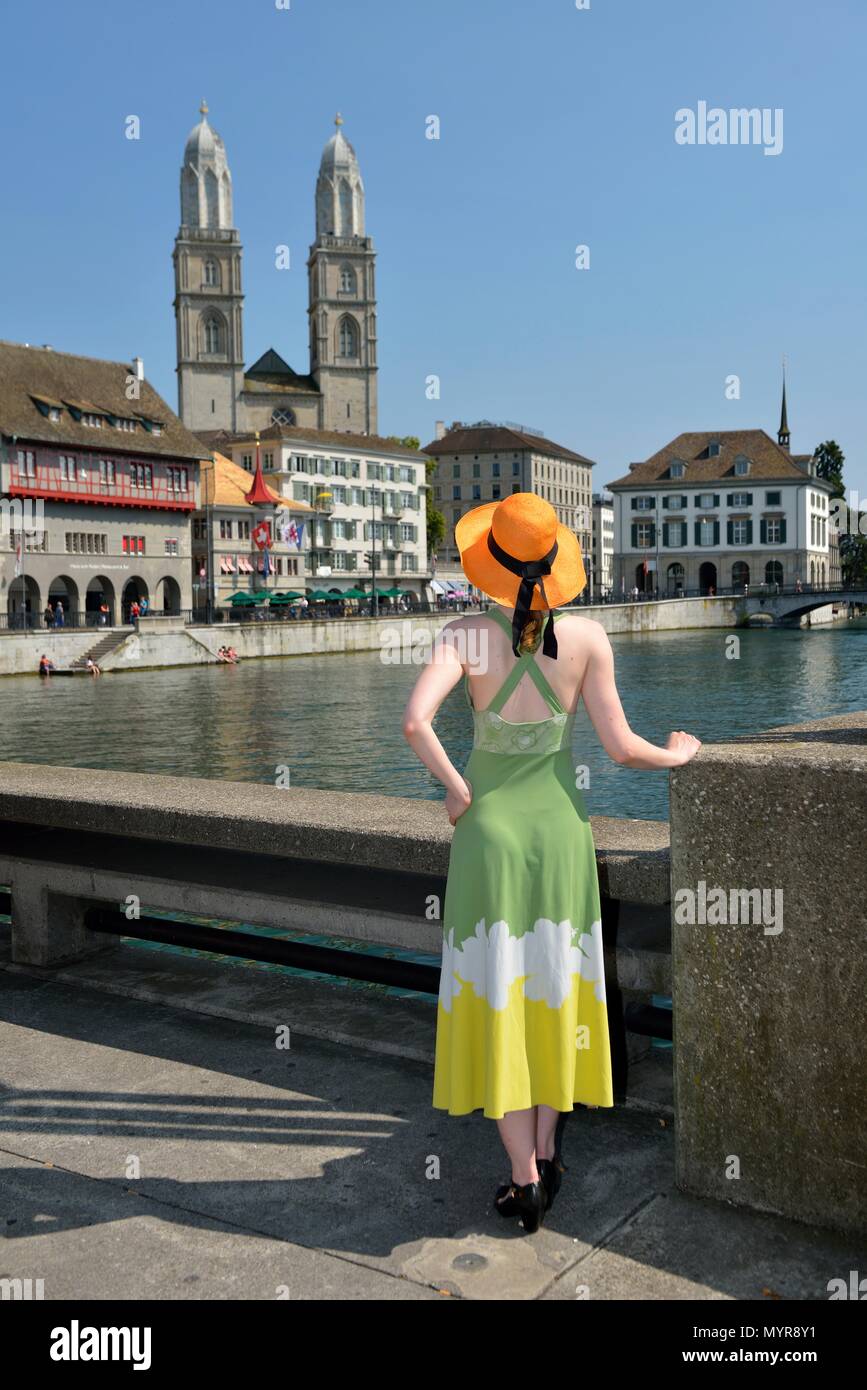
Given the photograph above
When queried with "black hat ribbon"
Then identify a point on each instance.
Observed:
(531, 573)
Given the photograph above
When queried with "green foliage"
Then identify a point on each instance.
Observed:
(829, 460)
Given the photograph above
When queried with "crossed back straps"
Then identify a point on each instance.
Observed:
(525, 662)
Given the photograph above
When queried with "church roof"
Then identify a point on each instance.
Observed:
(34, 380)
(272, 373)
(767, 458)
(338, 152)
(204, 145)
(490, 438)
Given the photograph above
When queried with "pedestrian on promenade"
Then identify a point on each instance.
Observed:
(522, 966)
(48, 615)
(103, 614)
(58, 613)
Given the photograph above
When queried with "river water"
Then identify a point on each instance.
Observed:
(334, 721)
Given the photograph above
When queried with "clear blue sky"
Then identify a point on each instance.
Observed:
(557, 128)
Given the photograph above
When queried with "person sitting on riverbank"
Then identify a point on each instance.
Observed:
(46, 665)
(231, 654)
(92, 667)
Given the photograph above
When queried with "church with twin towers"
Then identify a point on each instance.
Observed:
(216, 391)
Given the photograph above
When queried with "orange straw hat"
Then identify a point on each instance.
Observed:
(518, 553)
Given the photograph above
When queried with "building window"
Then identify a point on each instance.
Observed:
(456, 493)
(644, 534)
(67, 468)
(740, 534)
(477, 492)
(212, 272)
(282, 416)
(178, 479)
(645, 504)
(516, 470)
(347, 280)
(706, 499)
(107, 472)
(27, 463)
(347, 338)
(674, 533)
(211, 329)
(741, 499)
(713, 449)
(773, 499)
(706, 532)
(676, 470)
(171, 545)
(742, 465)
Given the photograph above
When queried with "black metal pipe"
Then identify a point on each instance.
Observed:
(352, 965)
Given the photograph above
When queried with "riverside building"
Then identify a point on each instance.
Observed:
(718, 512)
(98, 481)
(367, 497)
(485, 462)
(226, 559)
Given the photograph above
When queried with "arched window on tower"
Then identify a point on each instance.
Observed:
(347, 338)
(347, 280)
(212, 336)
(212, 272)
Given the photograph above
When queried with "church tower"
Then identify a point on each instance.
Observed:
(208, 299)
(343, 295)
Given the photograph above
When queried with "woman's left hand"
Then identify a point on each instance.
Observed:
(458, 802)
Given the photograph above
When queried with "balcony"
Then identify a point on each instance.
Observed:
(47, 483)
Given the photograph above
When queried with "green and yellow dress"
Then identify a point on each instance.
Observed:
(522, 1016)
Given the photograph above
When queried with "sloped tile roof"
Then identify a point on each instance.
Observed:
(767, 459)
(28, 374)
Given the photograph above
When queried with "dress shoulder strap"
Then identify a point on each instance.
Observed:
(525, 662)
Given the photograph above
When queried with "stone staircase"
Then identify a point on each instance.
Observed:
(106, 644)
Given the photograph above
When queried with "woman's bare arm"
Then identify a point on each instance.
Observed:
(438, 678)
(599, 692)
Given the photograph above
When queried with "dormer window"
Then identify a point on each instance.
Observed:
(51, 409)
(713, 449)
(742, 466)
(677, 469)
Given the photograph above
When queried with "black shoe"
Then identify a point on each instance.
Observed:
(528, 1202)
(551, 1173)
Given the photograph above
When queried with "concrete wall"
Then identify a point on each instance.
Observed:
(155, 646)
(769, 1014)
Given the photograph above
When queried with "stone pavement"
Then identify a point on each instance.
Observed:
(308, 1171)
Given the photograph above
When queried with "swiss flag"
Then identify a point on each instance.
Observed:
(262, 535)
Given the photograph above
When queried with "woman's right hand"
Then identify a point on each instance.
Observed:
(685, 746)
(458, 801)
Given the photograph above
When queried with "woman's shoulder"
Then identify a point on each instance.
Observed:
(587, 628)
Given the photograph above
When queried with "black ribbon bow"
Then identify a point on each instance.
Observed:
(531, 573)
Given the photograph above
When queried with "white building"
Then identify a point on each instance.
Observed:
(603, 544)
(368, 496)
(713, 512)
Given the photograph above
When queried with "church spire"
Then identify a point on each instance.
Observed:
(783, 432)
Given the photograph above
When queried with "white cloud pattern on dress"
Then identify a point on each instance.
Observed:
(545, 957)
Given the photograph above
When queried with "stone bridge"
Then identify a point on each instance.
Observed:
(795, 603)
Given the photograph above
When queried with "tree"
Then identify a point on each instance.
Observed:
(829, 460)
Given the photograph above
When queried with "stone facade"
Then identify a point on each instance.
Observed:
(214, 391)
(486, 462)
